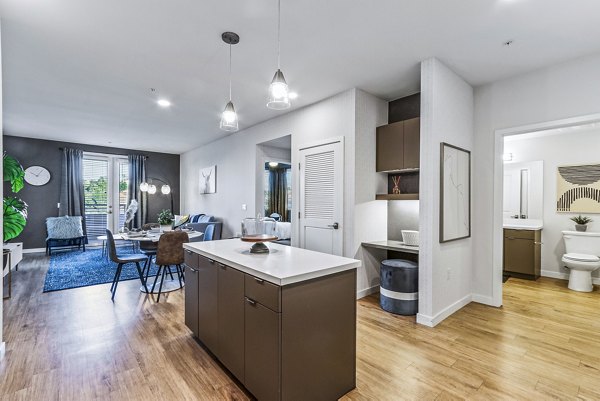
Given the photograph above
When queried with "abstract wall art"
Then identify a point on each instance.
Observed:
(455, 193)
(208, 180)
(578, 189)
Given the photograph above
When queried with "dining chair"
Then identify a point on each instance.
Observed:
(209, 233)
(122, 260)
(169, 253)
(148, 248)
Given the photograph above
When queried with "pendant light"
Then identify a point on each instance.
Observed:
(229, 118)
(279, 98)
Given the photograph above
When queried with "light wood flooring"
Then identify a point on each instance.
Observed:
(78, 345)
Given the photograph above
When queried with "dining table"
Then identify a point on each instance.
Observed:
(170, 284)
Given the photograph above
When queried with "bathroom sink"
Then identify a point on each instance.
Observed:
(523, 224)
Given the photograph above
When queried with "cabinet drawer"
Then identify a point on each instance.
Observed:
(263, 292)
(190, 258)
(523, 234)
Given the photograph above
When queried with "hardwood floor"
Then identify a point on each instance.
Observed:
(77, 345)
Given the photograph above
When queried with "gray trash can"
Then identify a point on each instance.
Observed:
(399, 289)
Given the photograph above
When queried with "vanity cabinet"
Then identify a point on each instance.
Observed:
(522, 253)
(398, 146)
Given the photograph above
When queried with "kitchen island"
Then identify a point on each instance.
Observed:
(283, 323)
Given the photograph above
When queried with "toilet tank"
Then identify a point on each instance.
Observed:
(582, 242)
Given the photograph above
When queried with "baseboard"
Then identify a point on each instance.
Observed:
(34, 250)
(432, 321)
(484, 299)
(367, 291)
(564, 276)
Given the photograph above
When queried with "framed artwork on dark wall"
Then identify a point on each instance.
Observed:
(455, 193)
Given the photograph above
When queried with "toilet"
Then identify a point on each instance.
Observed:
(581, 258)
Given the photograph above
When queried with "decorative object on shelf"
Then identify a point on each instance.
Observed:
(410, 237)
(165, 219)
(15, 209)
(581, 222)
(150, 188)
(37, 175)
(229, 118)
(279, 96)
(255, 230)
(396, 181)
(455, 193)
(208, 180)
(578, 189)
(129, 215)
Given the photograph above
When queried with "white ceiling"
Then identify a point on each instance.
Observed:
(80, 70)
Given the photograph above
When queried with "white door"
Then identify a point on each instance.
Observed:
(321, 198)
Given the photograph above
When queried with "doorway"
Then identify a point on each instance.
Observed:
(105, 183)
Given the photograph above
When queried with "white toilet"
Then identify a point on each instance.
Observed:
(581, 258)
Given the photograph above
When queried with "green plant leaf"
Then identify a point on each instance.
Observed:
(13, 173)
(14, 219)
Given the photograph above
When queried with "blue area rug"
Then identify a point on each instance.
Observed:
(73, 269)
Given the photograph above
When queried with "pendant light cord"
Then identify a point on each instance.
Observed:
(278, 34)
(230, 72)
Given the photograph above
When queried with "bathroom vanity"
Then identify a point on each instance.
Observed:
(523, 248)
(283, 323)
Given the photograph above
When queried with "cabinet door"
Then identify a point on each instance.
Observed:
(519, 255)
(412, 142)
(230, 348)
(262, 360)
(207, 303)
(191, 291)
(390, 144)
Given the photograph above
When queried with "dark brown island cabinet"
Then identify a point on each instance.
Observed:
(522, 253)
(398, 146)
(284, 323)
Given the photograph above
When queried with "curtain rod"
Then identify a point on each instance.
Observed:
(100, 153)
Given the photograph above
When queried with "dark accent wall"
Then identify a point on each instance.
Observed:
(43, 200)
(404, 108)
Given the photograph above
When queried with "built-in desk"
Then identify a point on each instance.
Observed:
(395, 249)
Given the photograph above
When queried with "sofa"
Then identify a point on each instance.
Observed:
(199, 222)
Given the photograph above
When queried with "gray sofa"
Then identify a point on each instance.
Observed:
(199, 222)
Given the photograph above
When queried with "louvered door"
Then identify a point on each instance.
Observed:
(321, 198)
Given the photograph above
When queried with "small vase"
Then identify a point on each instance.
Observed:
(165, 228)
(581, 227)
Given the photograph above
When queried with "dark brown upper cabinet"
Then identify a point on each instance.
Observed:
(398, 146)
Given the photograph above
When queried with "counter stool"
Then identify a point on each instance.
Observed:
(399, 289)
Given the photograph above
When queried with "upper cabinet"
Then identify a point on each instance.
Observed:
(398, 146)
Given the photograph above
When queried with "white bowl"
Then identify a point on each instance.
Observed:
(410, 238)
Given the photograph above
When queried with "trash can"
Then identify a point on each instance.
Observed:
(399, 289)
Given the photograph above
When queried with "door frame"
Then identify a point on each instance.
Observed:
(497, 217)
(296, 184)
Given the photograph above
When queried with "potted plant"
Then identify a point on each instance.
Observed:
(581, 222)
(15, 209)
(165, 219)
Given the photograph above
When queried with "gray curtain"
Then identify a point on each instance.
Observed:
(71, 184)
(137, 175)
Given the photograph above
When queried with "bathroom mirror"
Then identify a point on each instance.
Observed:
(524, 190)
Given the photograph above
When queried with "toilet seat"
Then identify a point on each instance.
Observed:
(580, 257)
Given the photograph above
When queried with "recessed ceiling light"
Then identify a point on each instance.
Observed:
(163, 103)
(293, 95)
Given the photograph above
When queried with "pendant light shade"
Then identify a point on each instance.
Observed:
(279, 93)
(229, 119)
(279, 98)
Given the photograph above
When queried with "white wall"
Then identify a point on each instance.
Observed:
(353, 115)
(562, 91)
(370, 215)
(444, 269)
(571, 148)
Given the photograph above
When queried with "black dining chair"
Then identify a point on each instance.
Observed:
(148, 248)
(169, 253)
(122, 260)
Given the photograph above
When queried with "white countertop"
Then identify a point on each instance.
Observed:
(523, 224)
(392, 246)
(284, 265)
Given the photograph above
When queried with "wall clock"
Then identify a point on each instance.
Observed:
(37, 175)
